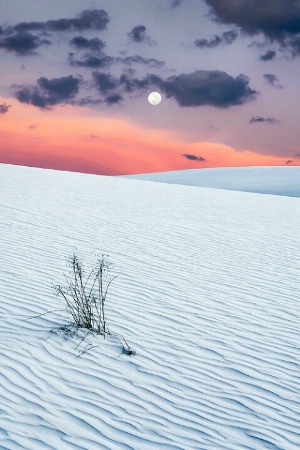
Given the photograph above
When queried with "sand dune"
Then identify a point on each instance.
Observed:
(207, 295)
(264, 180)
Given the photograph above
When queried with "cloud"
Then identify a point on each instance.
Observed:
(273, 80)
(294, 44)
(100, 61)
(112, 88)
(212, 43)
(138, 34)
(193, 157)
(20, 39)
(268, 56)
(49, 92)
(135, 84)
(95, 19)
(87, 101)
(228, 37)
(274, 18)
(176, 3)
(297, 155)
(105, 82)
(92, 61)
(260, 119)
(278, 20)
(81, 42)
(152, 62)
(289, 161)
(22, 43)
(113, 99)
(195, 89)
(32, 126)
(204, 87)
(4, 108)
(199, 88)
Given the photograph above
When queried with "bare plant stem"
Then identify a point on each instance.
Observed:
(85, 298)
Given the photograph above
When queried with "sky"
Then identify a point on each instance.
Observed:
(75, 78)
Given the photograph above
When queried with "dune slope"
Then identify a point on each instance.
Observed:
(207, 295)
(265, 180)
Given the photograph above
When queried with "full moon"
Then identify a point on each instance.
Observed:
(154, 98)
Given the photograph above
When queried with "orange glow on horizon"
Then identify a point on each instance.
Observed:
(81, 140)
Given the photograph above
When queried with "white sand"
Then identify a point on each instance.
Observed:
(207, 295)
(265, 180)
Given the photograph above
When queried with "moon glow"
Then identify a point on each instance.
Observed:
(154, 98)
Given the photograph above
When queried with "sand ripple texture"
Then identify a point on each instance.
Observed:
(207, 295)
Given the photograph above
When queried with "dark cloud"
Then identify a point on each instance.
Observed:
(98, 61)
(32, 126)
(289, 161)
(294, 44)
(199, 88)
(95, 19)
(87, 101)
(272, 80)
(176, 3)
(111, 88)
(20, 39)
(105, 82)
(62, 88)
(22, 43)
(113, 99)
(193, 157)
(297, 155)
(138, 34)
(203, 87)
(212, 43)
(274, 18)
(81, 42)
(134, 84)
(152, 62)
(91, 61)
(260, 119)
(268, 56)
(4, 108)
(228, 37)
(278, 20)
(49, 92)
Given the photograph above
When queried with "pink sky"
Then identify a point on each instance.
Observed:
(78, 139)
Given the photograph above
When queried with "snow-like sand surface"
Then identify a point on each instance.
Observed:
(207, 295)
(264, 180)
